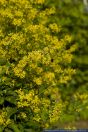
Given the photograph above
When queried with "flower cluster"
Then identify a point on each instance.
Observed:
(3, 118)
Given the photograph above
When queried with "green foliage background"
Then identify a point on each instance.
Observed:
(73, 16)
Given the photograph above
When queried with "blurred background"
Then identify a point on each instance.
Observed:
(72, 15)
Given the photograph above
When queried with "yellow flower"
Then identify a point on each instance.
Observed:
(37, 118)
(39, 1)
(68, 38)
(23, 115)
(49, 76)
(46, 125)
(8, 121)
(38, 81)
(54, 27)
(3, 118)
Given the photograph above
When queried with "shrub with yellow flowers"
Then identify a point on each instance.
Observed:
(34, 61)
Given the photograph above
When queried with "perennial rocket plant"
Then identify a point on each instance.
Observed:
(34, 61)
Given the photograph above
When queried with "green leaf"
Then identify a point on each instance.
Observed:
(14, 127)
(1, 100)
(11, 99)
(11, 111)
(1, 128)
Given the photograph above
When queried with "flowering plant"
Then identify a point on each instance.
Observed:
(34, 61)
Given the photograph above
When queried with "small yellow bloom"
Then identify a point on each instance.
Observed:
(54, 27)
(68, 38)
(23, 115)
(39, 1)
(38, 81)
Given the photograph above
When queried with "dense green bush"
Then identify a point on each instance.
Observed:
(34, 60)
